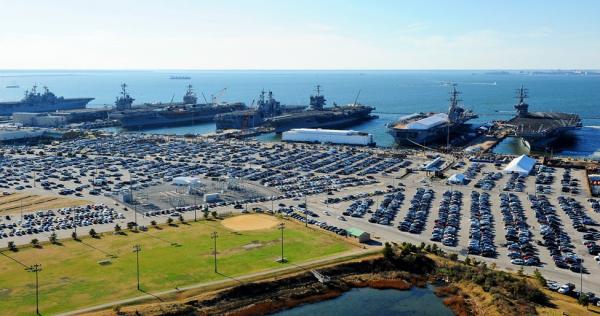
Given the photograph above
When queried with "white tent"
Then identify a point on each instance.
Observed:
(521, 165)
(457, 178)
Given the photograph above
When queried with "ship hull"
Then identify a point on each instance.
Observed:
(339, 123)
(8, 108)
(151, 119)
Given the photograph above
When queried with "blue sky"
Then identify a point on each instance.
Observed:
(186, 34)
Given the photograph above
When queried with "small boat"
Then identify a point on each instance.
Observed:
(12, 86)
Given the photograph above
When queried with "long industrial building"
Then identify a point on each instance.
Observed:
(343, 137)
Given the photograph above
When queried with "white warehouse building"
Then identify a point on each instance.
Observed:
(344, 137)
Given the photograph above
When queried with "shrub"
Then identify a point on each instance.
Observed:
(35, 243)
(12, 246)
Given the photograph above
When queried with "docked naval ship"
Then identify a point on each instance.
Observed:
(318, 116)
(427, 128)
(539, 129)
(266, 107)
(188, 112)
(36, 102)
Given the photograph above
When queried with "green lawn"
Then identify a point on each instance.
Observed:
(72, 277)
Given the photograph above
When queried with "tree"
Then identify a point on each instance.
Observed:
(35, 243)
(214, 214)
(388, 252)
(53, 238)
(205, 214)
(538, 276)
(181, 219)
(521, 271)
(117, 229)
(583, 299)
(153, 223)
(169, 221)
(12, 246)
(93, 233)
(74, 235)
(468, 261)
(453, 256)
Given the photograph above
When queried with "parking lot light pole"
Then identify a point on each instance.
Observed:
(214, 237)
(281, 227)
(137, 249)
(36, 268)
(305, 212)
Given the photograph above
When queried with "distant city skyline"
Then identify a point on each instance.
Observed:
(304, 35)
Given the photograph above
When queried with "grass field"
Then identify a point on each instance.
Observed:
(14, 203)
(72, 277)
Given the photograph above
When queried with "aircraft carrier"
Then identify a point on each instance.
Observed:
(419, 129)
(539, 129)
(317, 116)
(36, 102)
(188, 112)
(266, 107)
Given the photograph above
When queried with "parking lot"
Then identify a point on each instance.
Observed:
(545, 220)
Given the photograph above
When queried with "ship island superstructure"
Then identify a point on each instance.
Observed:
(187, 112)
(39, 102)
(428, 128)
(539, 129)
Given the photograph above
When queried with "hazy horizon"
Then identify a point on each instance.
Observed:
(300, 35)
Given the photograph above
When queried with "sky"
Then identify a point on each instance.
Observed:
(299, 34)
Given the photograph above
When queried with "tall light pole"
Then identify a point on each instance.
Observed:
(214, 237)
(137, 249)
(305, 212)
(281, 227)
(36, 268)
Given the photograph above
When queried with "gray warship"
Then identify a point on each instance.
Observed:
(188, 112)
(266, 107)
(539, 129)
(427, 128)
(36, 102)
(318, 116)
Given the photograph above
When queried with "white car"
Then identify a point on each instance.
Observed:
(564, 289)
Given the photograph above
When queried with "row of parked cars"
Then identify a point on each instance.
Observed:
(488, 181)
(387, 210)
(582, 222)
(359, 208)
(518, 234)
(447, 224)
(515, 183)
(569, 289)
(568, 183)
(63, 219)
(481, 229)
(416, 216)
(555, 238)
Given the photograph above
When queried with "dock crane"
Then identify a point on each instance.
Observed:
(215, 97)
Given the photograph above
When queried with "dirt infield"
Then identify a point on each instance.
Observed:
(10, 204)
(250, 222)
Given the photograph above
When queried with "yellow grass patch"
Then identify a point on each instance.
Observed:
(250, 222)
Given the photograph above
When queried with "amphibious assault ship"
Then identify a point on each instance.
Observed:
(427, 128)
(539, 129)
(188, 112)
(317, 116)
(267, 107)
(36, 102)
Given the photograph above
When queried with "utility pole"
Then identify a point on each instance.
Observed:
(214, 237)
(281, 227)
(195, 207)
(305, 212)
(36, 268)
(137, 249)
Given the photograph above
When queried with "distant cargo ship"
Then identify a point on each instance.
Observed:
(180, 78)
(187, 112)
(12, 86)
(47, 101)
(317, 116)
(426, 128)
(539, 129)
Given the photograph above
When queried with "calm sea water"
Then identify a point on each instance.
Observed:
(393, 93)
(366, 301)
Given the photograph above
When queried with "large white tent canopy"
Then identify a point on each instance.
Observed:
(521, 165)
(457, 178)
(186, 181)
